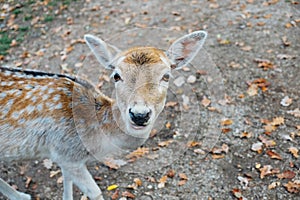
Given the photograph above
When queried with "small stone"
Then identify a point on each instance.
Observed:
(191, 79)
(150, 187)
(179, 81)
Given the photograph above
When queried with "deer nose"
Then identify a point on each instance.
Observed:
(138, 118)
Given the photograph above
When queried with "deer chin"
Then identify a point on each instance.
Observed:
(138, 131)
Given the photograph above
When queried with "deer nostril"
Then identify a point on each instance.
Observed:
(140, 119)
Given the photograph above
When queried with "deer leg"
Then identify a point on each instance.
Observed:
(68, 186)
(81, 177)
(11, 193)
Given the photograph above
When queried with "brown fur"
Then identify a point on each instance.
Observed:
(142, 56)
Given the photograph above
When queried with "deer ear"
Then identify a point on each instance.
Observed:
(184, 49)
(104, 52)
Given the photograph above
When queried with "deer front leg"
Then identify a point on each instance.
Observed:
(68, 186)
(81, 177)
(11, 193)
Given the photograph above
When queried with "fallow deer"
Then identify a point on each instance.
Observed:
(68, 120)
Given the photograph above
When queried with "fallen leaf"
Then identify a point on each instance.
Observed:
(182, 182)
(115, 195)
(246, 135)
(140, 152)
(54, 173)
(191, 144)
(286, 174)
(238, 194)
(266, 142)
(277, 121)
(162, 181)
(295, 113)
(171, 104)
(246, 48)
(28, 181)
(205, 101)
(171, 173)
(168, 125)
(183, 176)
(267, 170)
(226, 130)
(273, 155)
(217, 156)
(165, 143)
(226, 122)
(112, 165)
(269, 128)
(285, 41)
(293, 186)
(112, 187)
(273, 185)
(294, 151)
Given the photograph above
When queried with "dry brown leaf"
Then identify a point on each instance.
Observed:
(238, 194)
(182, 182)
(273, 155)
(54, 173)
(273, 185)
(140, 152)
(138, 182)
(183, 176)
(171, 104)
(269, 128)
(285, 41)
(111, 165)
(226, 130)
(295, 113)
(205, 101)
(278, 121)
(168, 125)
(286, 174)
(191, 144)
(171, 173)
(294, 151)
(246, 48)
(246, 135)
(267, 170)
(266, 142)
(115, 195)
(162, 181)
(293, 186)
(165, 143)
(217, 156)
(28, 181)
(260, 23)
(226, 122)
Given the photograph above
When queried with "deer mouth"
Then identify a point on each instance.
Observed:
(138, 127)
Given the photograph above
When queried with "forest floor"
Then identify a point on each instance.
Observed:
(236, 108)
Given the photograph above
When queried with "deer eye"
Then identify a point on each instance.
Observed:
(117, 77)
(166, 77)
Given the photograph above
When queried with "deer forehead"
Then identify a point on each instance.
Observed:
(148, 58)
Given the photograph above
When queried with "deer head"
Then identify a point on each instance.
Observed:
(141, 76)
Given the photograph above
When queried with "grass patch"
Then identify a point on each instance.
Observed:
(5, 42)
(48, 18)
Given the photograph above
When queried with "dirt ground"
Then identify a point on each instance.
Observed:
(233, 133)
